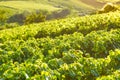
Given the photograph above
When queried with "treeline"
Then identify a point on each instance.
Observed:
(27, 17)
(37, 16)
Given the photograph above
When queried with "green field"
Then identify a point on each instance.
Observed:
(27, 5)
(45, 5)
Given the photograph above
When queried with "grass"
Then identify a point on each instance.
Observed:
(9, 11)
(52, 5)
(27, 5)
(6, 12)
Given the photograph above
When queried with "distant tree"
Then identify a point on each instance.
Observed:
(35, 18)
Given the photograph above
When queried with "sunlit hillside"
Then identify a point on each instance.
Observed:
(59, 40)
(27, 5)
(45, 4)
(50, 7)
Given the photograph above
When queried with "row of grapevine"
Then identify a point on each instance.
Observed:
(114, 76)
(96, 44)
(85, 48)
(66, 26)
(59, 55)
(82, 68)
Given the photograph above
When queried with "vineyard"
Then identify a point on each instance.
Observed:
(80, 48)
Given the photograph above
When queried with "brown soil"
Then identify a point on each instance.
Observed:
(93, 3)
(118, 2)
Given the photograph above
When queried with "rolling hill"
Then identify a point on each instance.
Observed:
(52, 5)
(84, 48)
(76, 7)
(73, 48)
(14, 7)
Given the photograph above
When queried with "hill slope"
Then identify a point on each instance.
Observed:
(45, 4)
(27, 5)
(85, 48)
(94, 3)
(50, 7)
